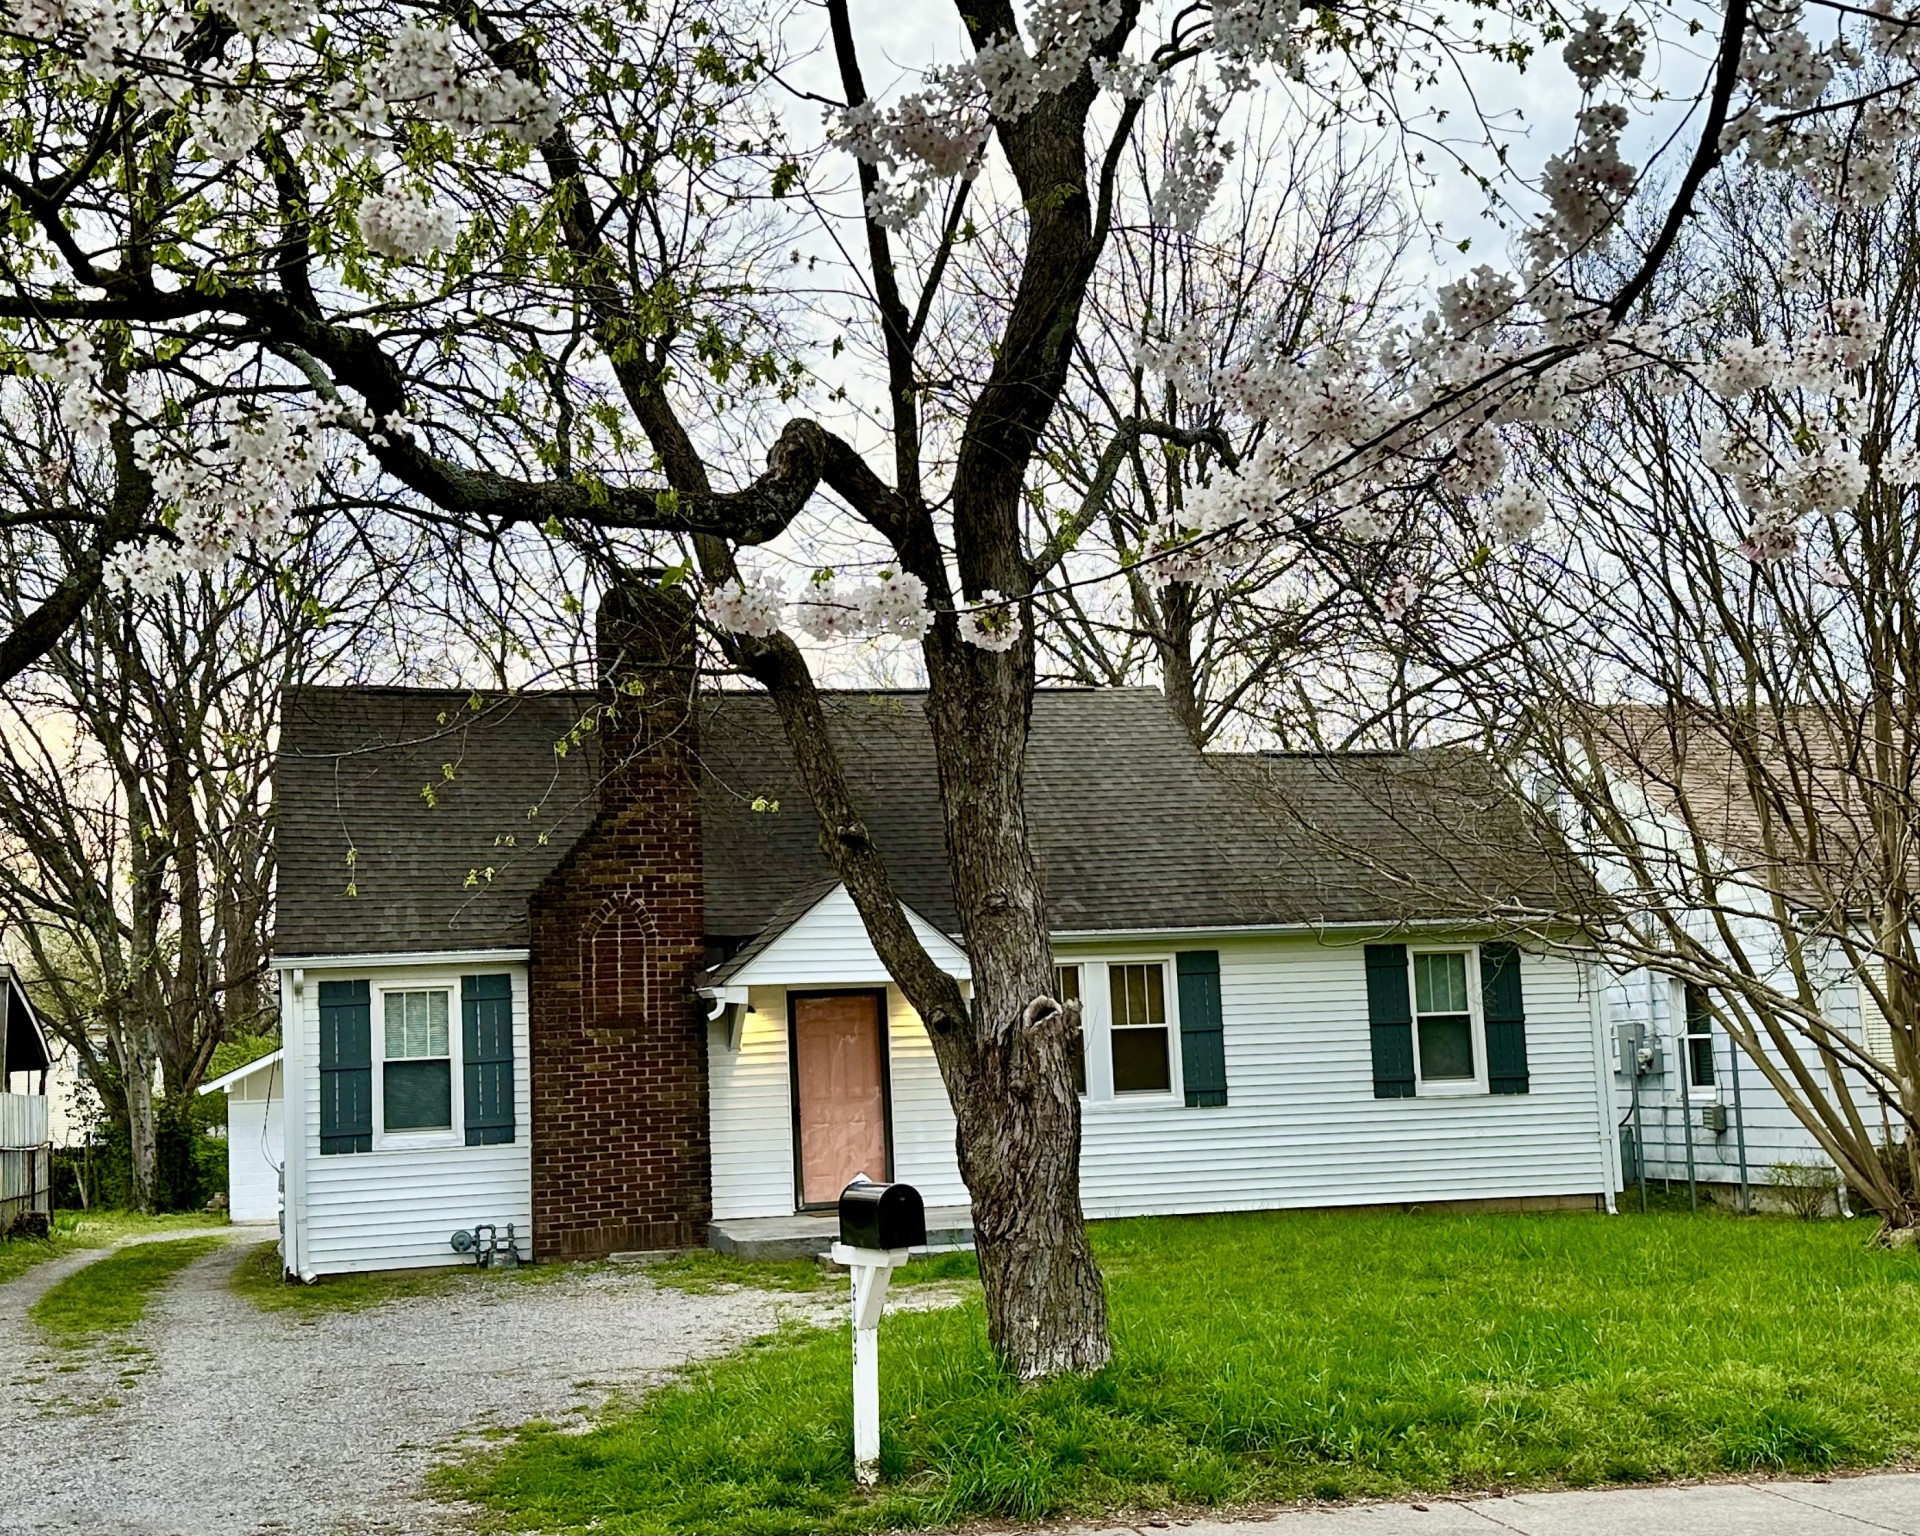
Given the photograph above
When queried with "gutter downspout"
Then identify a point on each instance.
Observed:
(1603, 1087)
(1740, 1130)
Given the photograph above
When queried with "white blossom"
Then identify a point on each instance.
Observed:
(894, 604)
(1603, 46)
(228, 126)
(1515, 515)
(745, 607)
(268, 18)
(1398, 597)
(994, 625)
(1742, 366)
(1196, 163)
(1481, 299)
(405, 226)
(826, 611)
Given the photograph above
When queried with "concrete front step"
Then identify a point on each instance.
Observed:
(809, 1234)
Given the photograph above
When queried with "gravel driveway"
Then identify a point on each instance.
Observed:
(235, 1421)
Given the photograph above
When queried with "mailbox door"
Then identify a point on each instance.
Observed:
(841, 1125)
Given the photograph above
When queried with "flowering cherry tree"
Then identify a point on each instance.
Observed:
(578, 267)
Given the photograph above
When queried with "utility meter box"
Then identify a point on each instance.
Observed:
(1639, 1050)
(882, 1216)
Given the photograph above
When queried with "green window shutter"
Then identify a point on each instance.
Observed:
(1390, 1021)
(486, 1049)
(346, 1067)
(1506, 1017)
(1203, 1047)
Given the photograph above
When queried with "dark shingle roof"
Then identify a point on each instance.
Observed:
(1431, 833)
(1133, 828)
(366, 865)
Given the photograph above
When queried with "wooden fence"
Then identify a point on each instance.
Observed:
(26, 1158)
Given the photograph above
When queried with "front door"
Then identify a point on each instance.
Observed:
(839, 1091)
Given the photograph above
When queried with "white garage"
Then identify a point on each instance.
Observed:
(256, 1137)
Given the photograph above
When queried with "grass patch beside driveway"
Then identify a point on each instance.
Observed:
(1283, 1356)
(110, 1295)
(76, 1230)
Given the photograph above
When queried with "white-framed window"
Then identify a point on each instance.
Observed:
(1697, 1045)
(417, 1045)
(1066, 989)
(1139, 1028)
(1449, 1045)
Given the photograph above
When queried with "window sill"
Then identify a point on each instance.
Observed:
(417, 1141)
(1134, 1101)
(1451, 1091)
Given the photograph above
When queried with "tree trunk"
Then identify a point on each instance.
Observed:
(142, 1135)
(1019, 1145)
(1017, 1115)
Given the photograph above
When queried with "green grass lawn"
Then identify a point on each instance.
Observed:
(74, 1230)
(110, 1295)
(258, 1277)
(1287, 1356)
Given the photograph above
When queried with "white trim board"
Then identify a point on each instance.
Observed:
(258, 1064)
(410, 957)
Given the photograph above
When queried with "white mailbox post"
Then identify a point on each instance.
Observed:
(872, 1271)
(879, 1223)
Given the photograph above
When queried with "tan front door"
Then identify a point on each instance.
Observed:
(839, 1051)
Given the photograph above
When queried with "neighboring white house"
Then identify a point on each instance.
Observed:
(1694, 1103)
(26, 1155)
(256, 1136)
(496, 1009)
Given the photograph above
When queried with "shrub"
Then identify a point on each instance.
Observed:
(1807, 1189)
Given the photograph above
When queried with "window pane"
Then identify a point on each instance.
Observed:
(1700, 1059)
(1446, 1049)
(1440, 983)
(419, 1095)
(416, 1025)
(1138, 994)
(1140, 1061)
(1066, 989)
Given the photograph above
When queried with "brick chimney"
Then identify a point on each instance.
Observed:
(621, 1153)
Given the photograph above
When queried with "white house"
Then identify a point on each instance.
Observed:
(1695, 1104)
(26, 1154)
(585, 973)
(256, 1136)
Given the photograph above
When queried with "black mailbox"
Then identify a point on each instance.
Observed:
(882, 1216)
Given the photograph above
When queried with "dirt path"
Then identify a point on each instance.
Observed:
(217, 1419)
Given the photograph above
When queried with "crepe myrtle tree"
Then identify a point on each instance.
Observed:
(1732, 732)
(578, 267)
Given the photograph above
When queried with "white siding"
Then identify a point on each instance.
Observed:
(750, 1107)
(1301, 1128)
(396, 1208)
(256, 1142)
(828, 947)
(1773, 1133)
(923, 1149)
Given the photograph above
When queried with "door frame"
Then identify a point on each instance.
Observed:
(879, 996)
